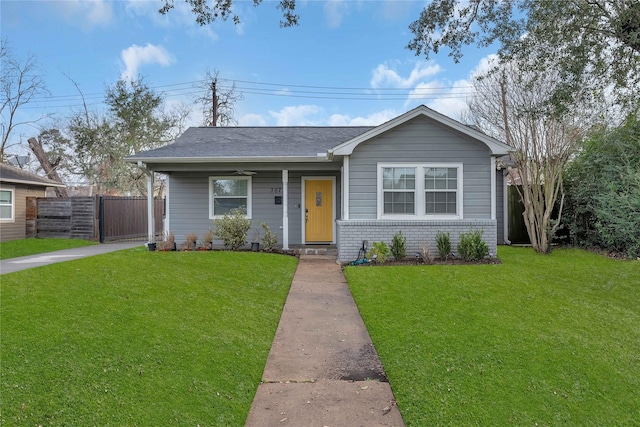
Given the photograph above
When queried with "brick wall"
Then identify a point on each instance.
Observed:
(351, 233)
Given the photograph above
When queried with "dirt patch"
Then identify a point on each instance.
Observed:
(361, 365)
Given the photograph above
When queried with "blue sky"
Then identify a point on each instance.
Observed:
(346, 64)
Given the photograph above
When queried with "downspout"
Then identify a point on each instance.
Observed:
(285, 210)
(151, 223)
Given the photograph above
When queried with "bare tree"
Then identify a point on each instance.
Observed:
(20, 83)
(218, 101)
(512, 105)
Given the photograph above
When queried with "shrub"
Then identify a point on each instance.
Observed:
(169, 242)
(378, 252)
(269, 239)
(207, 239)
(471, 246)
(425, 254)
(190, 243)
(398, 246)
(443, 243)
(603, 190)
(232, 229)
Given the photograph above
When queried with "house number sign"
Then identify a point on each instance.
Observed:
(275, 190)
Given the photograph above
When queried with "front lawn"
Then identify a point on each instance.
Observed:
(139, 338)
(536, 340)
(31, 246)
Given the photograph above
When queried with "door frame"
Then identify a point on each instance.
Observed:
(333, 207)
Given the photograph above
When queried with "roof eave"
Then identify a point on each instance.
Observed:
(28, 182)
(269, 159)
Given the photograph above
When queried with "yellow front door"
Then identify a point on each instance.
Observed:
(318, 210)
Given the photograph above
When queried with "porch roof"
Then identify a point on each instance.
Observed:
(199, 144)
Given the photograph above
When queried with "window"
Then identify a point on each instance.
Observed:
(6, 204)
(229, 193)
(440, 191)
(398, 187)
(428, 191)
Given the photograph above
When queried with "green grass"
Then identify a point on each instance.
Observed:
(31, 246)
(139, 338)
(537, 340)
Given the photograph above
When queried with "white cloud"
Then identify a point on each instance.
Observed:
(373, 119)
(298, 115)
(334, 12)
(252, 120)
(385, 76)
(135, 56)
(86, 14)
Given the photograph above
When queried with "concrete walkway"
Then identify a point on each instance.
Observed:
(322, 369)
(22, 263)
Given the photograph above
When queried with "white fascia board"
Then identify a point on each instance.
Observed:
(497, 148)
(278, 159)
(27, 182)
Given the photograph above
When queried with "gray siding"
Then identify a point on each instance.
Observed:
(421, 141)
(16, 229)
(188, 202)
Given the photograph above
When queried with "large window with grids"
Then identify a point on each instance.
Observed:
(428, 191)
(229, 193)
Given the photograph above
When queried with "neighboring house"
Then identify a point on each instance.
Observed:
(419, 173)
(15, 186)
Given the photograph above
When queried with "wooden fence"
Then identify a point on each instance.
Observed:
(102, 218)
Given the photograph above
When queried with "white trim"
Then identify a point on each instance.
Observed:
(167, 206)
(12, 190)
(505, 207)
(304, 179)
(285, 209)
(493, 188)
(232, 177)
(151, 215)
(346, 171)
(234, 159)
(496, 147)
(419, 212)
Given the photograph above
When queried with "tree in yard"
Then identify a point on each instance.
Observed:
(603, 189)
(207, 11)
(511, 104)
(20, 82)
(595, 43)
(218, 102)
(135, 121)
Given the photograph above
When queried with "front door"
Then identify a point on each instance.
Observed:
(318, 198)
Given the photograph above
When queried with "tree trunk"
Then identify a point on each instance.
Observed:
(49, 169)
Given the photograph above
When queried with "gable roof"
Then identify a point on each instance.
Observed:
(9, 174)
(220, 144)
(291, 144)
(496, 147)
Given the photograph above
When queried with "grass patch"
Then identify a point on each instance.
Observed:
(139, 338)
(536, 340)
(31, 246)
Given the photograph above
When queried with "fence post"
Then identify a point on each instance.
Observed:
(101, 218)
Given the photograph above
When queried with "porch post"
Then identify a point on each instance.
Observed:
(151, 217)
(345, 188)
(493, 188)
(285, 209)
